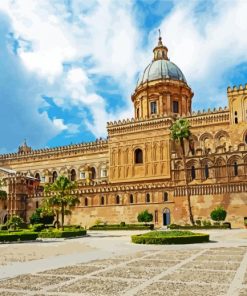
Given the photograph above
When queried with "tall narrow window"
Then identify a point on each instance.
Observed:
(236, 117)
(102, 201)
(175, 108)
(138, 156)
(165, 196)
(153, 106)
(117, 200)
(86, 202)
(235, 169)
(137, 113)
(37, 204)
(206, 171)
(193, 173)
(93, 171)
(245, 139)
(54, 176)
(147, 197)
(131, 198)
(73, 175)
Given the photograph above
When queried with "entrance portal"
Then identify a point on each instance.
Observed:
(166, 217)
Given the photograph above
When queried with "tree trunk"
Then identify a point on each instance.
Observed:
(186, 183)
(62, 213)
(57, 219)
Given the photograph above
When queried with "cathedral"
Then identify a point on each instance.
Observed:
(138, 167)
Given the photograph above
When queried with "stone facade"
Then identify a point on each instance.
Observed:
(138, 167)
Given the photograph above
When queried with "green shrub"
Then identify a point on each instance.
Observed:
(198, 222)
(170, 237)
(124, 227)
(3, 227)
(145, 217)
(72, 227)
(61, 234)
(218, 214)
(18, 236)
(206, 223)
(15, 222)
(38, 227)
(41, 217)
(206, 226)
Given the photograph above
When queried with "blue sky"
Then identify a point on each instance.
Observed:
(67, 67)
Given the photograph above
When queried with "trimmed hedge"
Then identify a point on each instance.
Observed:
(170, 237)
(17, 236)
(62, 234)
(225, 225)
(123, 227)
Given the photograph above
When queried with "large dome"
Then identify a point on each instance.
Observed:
(161, 69)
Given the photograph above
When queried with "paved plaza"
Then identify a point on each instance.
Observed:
(106, 263)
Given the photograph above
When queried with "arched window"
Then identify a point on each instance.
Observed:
(131, 198)
(138, 156)
(54, 176)
(117, 200)
(37, 176)
(137, 113)
(235, 169)
(72, 175)
(86, 202)
(147, 197)
(102, 200)
(165, 197)
(93, 171)
(193, 173)
(206, 171)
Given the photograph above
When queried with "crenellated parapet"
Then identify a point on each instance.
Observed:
(74, 149)
(237, 90)
(138, 124)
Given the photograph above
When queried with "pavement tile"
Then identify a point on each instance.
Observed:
(216, 257)
(131, 272)
(8, 293)
(175, 289)
(202, 276)
(105, 262)
(31, 282)
(212, 265)
(145, 263)
(73, 270)
(96, 287)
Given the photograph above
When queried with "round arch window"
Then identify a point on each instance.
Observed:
(138, 156)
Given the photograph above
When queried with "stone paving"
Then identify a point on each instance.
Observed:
(205, 269)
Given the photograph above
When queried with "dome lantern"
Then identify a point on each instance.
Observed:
(160, 51)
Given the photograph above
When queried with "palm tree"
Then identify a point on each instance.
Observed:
(62, 198)
(180, 131)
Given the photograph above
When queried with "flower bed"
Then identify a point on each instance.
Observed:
(62, 233)
(227, 225)
(6, 236)
(170, 237)
(123, 227)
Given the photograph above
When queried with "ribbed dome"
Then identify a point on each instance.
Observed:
(161, 69)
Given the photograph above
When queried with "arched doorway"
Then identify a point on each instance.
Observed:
(5, 219)
(166, 217)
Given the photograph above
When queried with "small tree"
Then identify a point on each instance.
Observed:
(145, 217)
(218, 214)
(41, 216)
(15, 222)
(62, 199)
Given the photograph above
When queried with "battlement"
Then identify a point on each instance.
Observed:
(237, 90)
(82, 147)
(204, 117)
